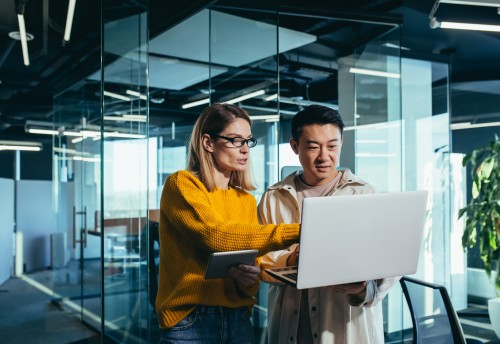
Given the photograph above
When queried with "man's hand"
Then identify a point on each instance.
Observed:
(246, 275)
(293, 258)
(350, 288)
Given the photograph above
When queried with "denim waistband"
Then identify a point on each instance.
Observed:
(203, 309)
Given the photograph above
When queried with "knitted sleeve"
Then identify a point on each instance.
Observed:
(187, 206)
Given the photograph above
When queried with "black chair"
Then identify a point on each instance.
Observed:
(151, 254)
(434, 318)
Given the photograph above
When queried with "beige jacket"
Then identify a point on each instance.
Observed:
(334, 317)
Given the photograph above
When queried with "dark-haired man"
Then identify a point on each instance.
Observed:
(348, 313)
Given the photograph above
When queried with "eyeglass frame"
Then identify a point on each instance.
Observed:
(233, 140)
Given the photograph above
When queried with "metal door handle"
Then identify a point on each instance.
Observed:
(83, 231)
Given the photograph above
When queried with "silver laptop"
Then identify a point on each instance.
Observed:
(346, 239)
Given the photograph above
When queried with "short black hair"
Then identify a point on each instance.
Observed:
(315, 114)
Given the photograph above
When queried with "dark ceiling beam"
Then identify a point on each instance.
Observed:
(320, 10)
(165, 14)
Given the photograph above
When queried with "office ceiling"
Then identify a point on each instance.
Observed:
(29, 93)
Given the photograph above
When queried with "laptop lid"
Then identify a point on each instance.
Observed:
(347, 239)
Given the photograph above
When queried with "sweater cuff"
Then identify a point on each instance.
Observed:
(291, 233)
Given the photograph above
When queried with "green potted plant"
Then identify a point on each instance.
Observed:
(482, 225)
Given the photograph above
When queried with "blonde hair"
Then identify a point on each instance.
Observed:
(212, 121)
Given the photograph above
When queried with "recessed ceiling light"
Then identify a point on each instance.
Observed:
(17, 36)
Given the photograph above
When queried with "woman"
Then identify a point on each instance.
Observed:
(206, 209)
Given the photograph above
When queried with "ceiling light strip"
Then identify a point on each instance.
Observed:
(491, 3)
(245, 97)
(469, 125)
(196, 103)
(42, 131)
(24, 40)
(126, 118)
(136, 94)
(20, 146)
(265, 117)
(271, 97)
(469, 26)
(69, 20)
(117, 96)
(374, 73)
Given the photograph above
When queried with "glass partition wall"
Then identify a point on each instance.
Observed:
(125, 171)
(132, 120)
(101, 166)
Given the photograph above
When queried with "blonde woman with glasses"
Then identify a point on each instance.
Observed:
(204, 209)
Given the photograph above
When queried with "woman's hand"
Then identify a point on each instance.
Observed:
(246, 275)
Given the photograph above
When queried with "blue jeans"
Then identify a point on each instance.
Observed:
(211, 325)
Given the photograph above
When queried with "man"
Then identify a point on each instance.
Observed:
(348, 313)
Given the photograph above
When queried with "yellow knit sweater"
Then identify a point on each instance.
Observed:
(194, 223)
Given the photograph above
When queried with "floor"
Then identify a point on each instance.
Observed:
(28, 315)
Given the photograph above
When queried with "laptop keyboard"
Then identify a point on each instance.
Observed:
(292, 275)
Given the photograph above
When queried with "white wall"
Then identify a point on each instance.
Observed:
(6, 228)
(36, 220)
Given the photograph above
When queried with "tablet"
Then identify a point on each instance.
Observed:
(220, 262)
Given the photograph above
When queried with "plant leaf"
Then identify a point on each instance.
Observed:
(486, 168)
(462, 211)
(475, 189)
(466, 159)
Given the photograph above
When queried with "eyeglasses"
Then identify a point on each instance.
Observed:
(238, 141)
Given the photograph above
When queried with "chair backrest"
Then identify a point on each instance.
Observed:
(287, 170)
(432, 313)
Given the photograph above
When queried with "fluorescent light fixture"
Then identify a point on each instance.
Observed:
(90, 133)
(271, 97)
(123, 135)
(69, 20)
(71, 133)
(42, 131)
(469, 26)
(136, 94)
(126, 118)
(469, 125)
(374, 73)
(24, 40)
(490, 3)
(270, 118)
(117, 96)
(245, 96)
(395, 46)
(21, 146)
(196, 103)
(78, 139)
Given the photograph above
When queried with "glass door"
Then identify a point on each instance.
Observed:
(76, 167)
